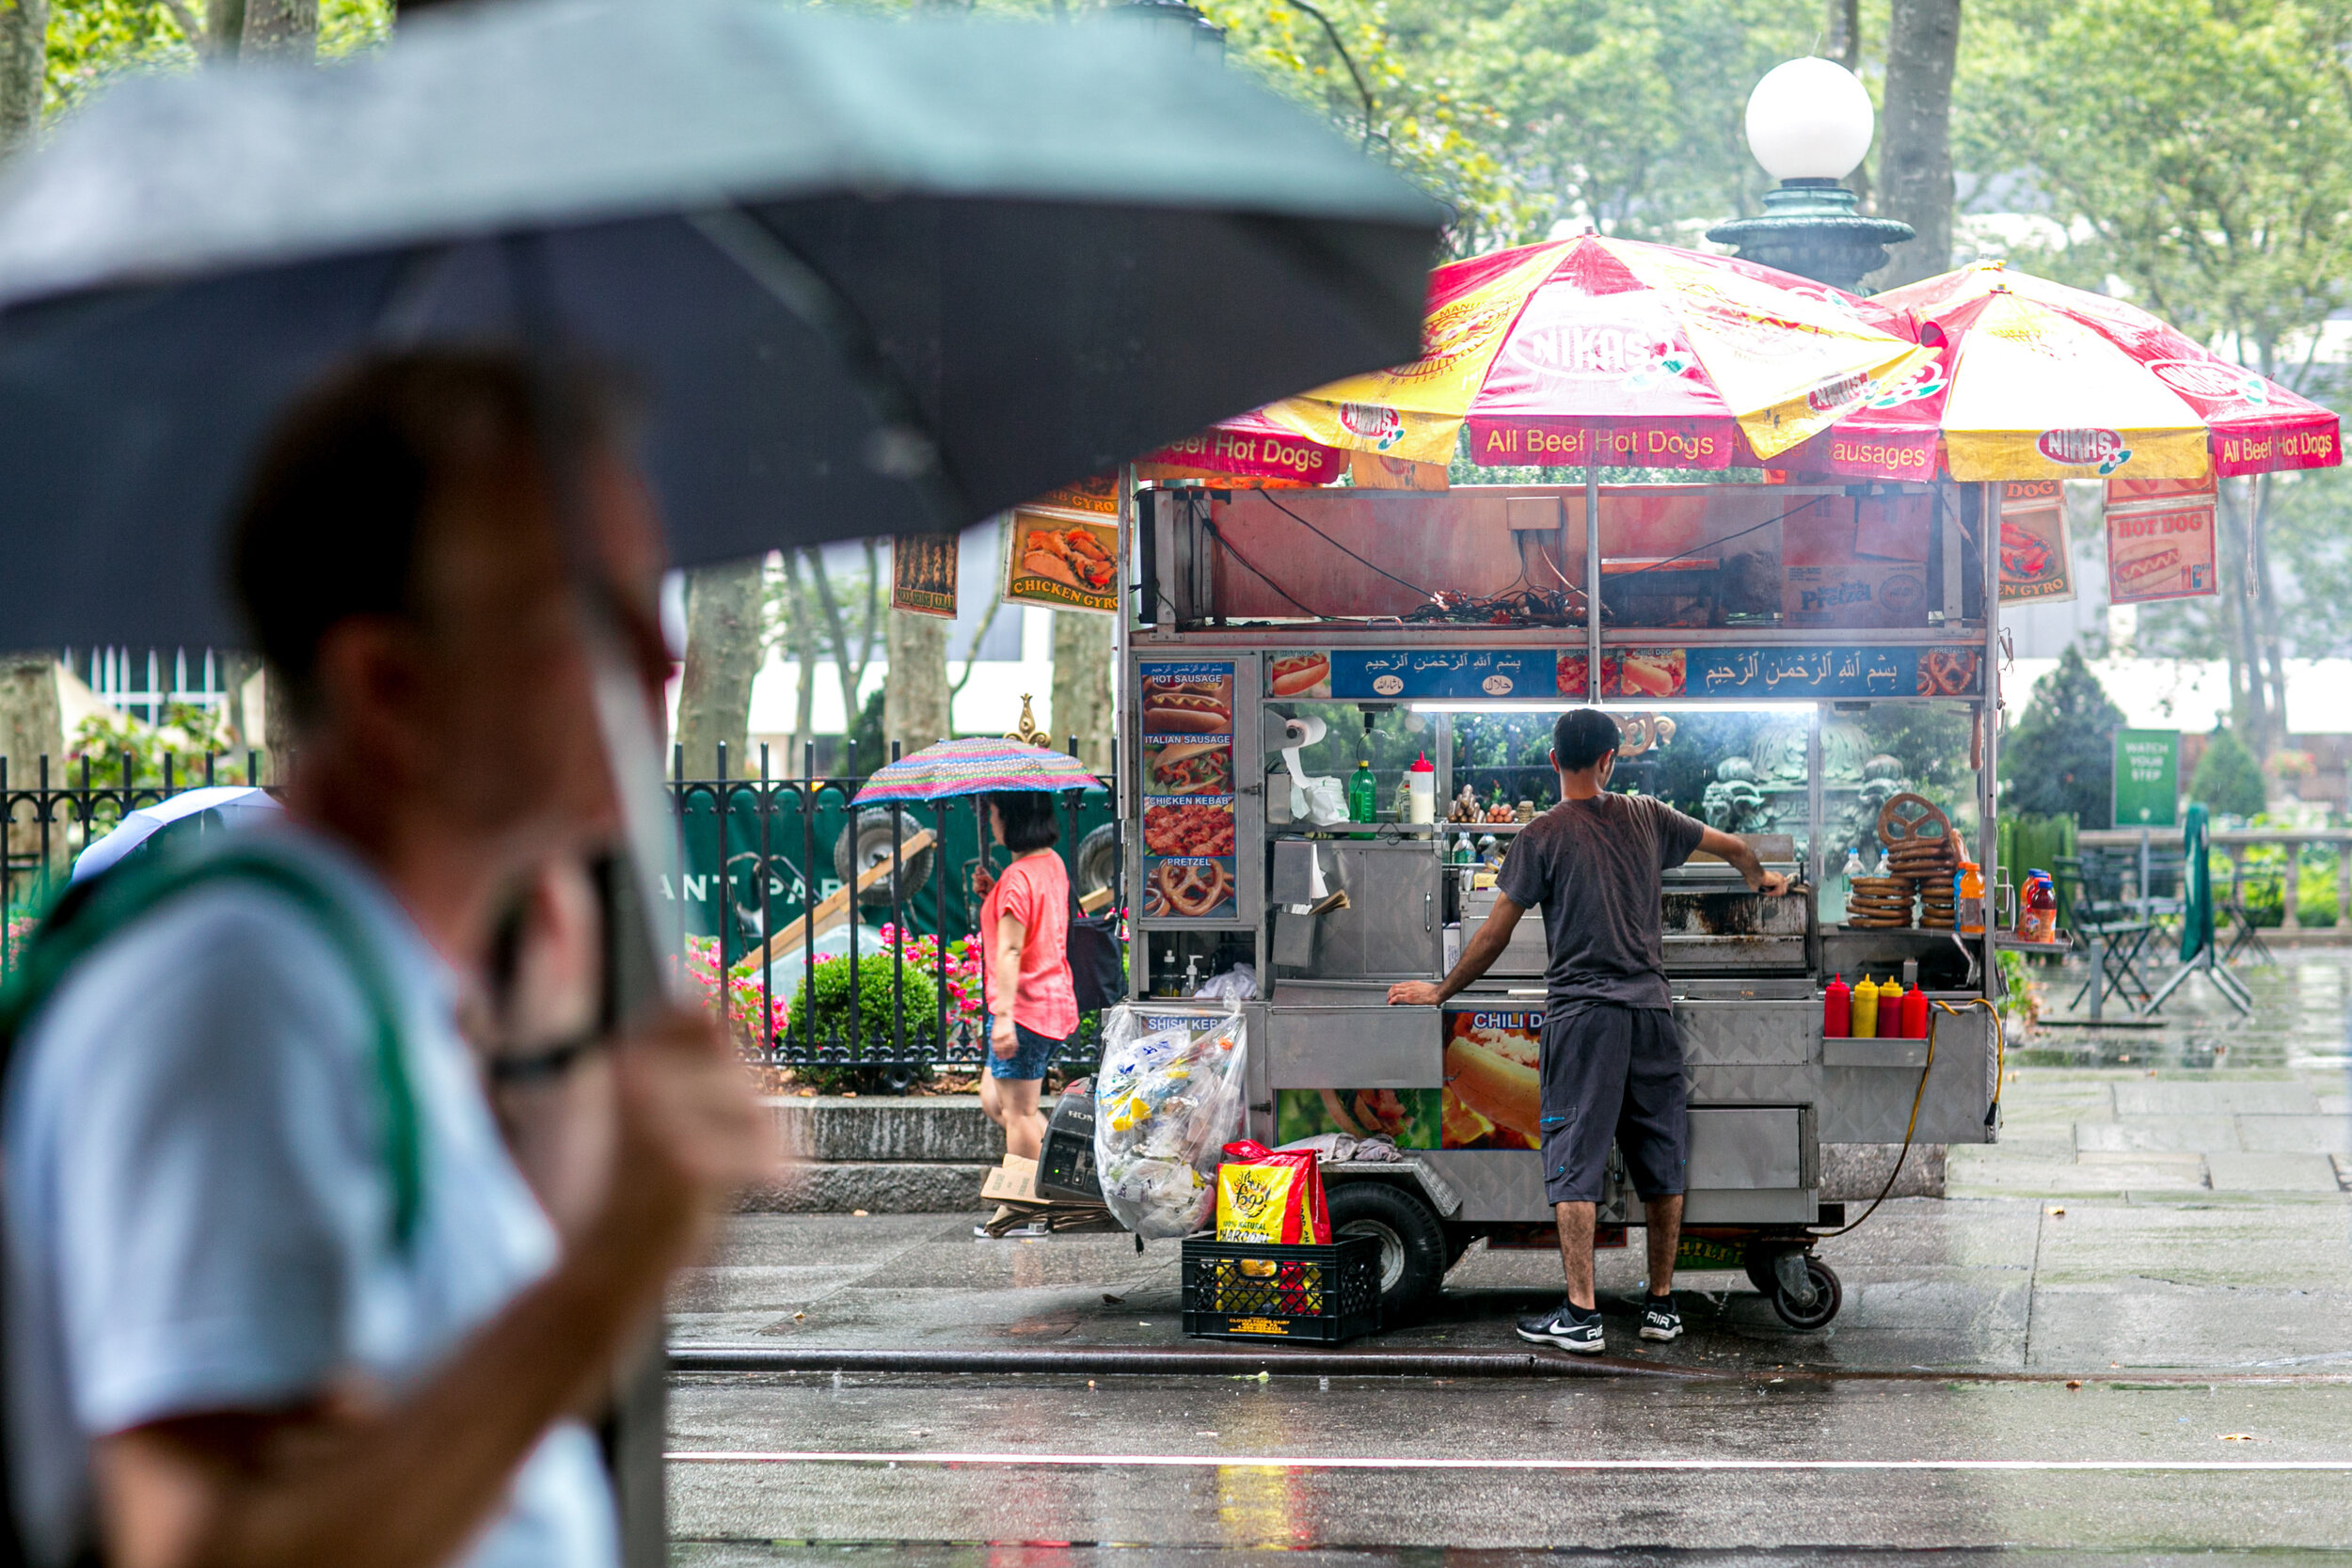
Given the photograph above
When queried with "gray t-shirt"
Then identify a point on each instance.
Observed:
(199, 1213)
(1595, 867)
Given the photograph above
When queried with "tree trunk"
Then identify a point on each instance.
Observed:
(1915, 136)
(1082, 684)
(281, 30)
(32, 727)
(915, 702)
(23, 55)
(800, 634)
(723, 648)
(224, 29)
(1844, 45)
(2249, 690)
(236, 669)
(2273, 643)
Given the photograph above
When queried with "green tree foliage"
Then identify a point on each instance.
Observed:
(2228, 781)
(91, 41)
(1540, 117)
(2191, 149)
(2060, 758)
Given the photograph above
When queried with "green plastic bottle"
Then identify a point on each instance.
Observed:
(1364, 795)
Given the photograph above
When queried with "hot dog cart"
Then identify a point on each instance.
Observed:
(1809, 666)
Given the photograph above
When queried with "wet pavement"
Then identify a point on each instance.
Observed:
(2127, 1337)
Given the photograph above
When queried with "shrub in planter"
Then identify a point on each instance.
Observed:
(876, 991)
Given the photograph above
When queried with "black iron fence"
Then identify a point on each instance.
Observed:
(838, 940)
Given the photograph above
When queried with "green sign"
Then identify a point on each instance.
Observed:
(2147, 778)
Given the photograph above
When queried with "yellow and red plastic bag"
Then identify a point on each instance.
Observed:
(1270, 1197)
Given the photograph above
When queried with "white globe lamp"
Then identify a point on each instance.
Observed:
(1809, 124)
(1810, 120)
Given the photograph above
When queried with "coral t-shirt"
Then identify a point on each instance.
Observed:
(1034, 890)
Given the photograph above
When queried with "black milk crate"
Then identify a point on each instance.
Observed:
(1315, 1295)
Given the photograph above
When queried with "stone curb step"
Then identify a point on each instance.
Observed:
(928, 1154)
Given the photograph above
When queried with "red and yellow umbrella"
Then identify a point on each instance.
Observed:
(1616, 352)
(2023, 379)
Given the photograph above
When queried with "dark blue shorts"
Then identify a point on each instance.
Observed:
(1032, 1053)
(1612, 1072)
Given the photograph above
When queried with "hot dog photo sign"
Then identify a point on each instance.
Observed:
(1188, 714)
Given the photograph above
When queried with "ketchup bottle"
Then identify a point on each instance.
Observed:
(1836, 1009)
(1915, 1014)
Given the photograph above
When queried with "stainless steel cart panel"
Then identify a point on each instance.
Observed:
(1330, 1046)
(1393, 927)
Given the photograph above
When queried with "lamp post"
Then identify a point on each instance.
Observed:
(1809, 123)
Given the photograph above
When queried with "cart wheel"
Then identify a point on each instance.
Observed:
(1828, 1296)
(1096, 864)
(1412, 1244)
(865, 842)
(1457, 1242)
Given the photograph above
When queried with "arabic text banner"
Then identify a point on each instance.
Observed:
(1775, 674)
(1472, 673)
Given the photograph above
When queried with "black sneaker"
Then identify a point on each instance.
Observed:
(1568, 1325)
(1659, 1320)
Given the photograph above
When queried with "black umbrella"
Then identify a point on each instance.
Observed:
(876, 277)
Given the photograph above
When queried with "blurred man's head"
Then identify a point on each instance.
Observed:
(402, 567)
(1584, 738)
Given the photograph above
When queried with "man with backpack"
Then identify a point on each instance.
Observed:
(275, 1293)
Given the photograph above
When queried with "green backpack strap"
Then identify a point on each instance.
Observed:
(91, 912)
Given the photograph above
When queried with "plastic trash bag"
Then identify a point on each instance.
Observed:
(1168, 1098)
(1237, 984)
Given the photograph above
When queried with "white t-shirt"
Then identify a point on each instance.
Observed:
(199, 1205)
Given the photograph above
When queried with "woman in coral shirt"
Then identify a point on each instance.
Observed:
(1025, 941)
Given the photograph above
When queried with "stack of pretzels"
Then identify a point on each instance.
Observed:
(1922, 853)
(1879, 903)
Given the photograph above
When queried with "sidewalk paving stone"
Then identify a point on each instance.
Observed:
(2291, 1173)
(2156, 1135)
(2314, 1134)
(2168, 1098)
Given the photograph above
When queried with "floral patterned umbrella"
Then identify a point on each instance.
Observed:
(976, 764)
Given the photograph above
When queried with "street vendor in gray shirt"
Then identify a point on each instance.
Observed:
(1611, 1063)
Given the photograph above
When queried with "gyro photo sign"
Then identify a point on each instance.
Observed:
(1062, 560)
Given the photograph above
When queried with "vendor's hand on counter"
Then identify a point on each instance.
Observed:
(1774, 885)
(1415, 993)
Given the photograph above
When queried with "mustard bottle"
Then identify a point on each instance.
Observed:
(1866, 1009)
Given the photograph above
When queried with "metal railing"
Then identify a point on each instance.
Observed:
(830, 953)
(2257, 860)
(761, 910)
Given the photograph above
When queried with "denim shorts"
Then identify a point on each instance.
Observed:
(1032, 1053)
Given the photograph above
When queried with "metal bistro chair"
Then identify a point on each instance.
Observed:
(2117, 934)
(2244, 936)
(2162, 897)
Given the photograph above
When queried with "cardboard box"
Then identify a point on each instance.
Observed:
(1014, 1181)
(1829, 580)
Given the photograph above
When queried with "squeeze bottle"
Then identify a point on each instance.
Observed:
(1420, 790)
(1915, 1014)
(1866, 1009)
(1891, 1001)
(1836, 1009)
